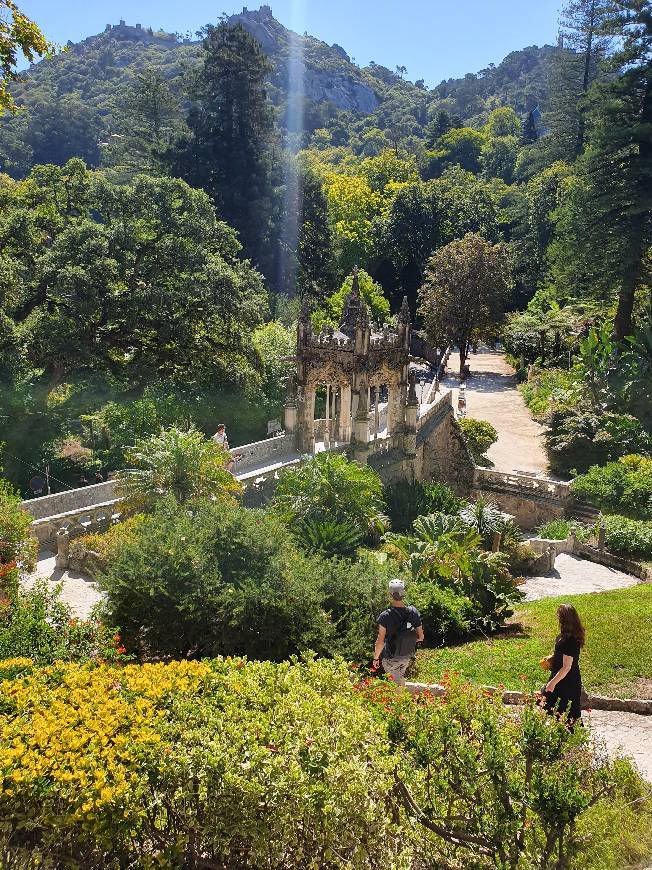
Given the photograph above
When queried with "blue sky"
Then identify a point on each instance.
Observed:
(434, 39)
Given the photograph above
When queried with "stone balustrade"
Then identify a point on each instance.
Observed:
(265, 452)
(544, 487)
(82, 521)
(70, 500)
(380, 446)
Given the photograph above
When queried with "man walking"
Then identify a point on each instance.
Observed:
(399, 632)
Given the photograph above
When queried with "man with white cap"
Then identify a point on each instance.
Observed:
(399, 632)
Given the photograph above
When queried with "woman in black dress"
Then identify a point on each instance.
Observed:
(564, 688)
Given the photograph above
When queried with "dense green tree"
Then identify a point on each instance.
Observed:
(147, 117)
(315, 245)
(529, 133)
(576, 65)
(227, 152)
(460, 146)
(464, 291)
(140, 279)
(58, 127)
(333, 308)
(605, 226)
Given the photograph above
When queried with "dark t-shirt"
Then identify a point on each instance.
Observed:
(395, 618)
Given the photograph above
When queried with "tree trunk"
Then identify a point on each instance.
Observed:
(463, 345)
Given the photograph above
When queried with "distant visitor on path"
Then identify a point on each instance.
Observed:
(399, 632)
(563, 690)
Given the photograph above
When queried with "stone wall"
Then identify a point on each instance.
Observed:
(532, 500)
(70, 500)
(266, 452)
(442, 453)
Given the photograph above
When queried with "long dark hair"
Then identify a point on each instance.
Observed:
(570, 624)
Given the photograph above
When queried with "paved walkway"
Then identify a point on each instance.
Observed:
(78, 591)
(625, 733)
(492, 395)
(575, 576)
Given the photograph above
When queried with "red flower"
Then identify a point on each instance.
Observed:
(121, 650)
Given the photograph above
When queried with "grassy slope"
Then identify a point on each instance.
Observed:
(616, 661)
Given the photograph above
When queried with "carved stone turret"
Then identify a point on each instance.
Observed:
(404, 325)
(352, 306)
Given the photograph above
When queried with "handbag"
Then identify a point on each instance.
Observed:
(546, 663)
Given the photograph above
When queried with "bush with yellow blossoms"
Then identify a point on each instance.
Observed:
(237, 764)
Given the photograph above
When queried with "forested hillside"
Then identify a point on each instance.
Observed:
(72, 101)
(186, 203)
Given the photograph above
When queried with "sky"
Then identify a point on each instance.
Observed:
(434, 39)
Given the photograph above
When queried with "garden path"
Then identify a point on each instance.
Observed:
(575, 576)
(626, 733)
(77, 590)
(492, 395)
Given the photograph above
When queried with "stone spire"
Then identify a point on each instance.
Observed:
(352, 306)
(404, 313)
(412, 388)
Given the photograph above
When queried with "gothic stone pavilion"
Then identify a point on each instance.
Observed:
(353, 365)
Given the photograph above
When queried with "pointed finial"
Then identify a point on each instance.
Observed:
(355, 285)
(412, 388)
(404, 313)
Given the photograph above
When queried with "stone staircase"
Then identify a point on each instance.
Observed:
(584, 512)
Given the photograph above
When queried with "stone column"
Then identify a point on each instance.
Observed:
(327, 418)
(307, 421)
(376, 411)
(63, 548)
(344, 420)
(361, 420)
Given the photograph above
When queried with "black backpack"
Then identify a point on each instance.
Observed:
(403, 641)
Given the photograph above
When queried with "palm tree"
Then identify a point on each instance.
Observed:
(177, 462)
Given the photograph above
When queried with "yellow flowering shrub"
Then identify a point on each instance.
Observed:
(158, 764)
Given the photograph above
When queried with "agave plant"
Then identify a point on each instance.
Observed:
(330, 537)
(440, 546)
(483, 516)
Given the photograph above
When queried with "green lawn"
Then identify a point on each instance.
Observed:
(616, 661)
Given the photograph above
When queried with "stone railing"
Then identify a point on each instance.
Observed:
(380, 446)
(544, 487)
(266, 452)
(70, 500)
(434, 416)
(82, 521)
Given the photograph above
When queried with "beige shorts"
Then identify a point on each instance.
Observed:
(396, 668)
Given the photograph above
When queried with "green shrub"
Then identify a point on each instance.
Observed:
(407, 500)
(623, 487)
(485, 787)
(479, 435)
(447, 615)
(210, 579)
(232, 763)
(627, 537)
(329, 537)
(329, 487)
(193, 764)
(547, 388)
(17, 546)
(577, 438)
(560, 529)
(36, 624)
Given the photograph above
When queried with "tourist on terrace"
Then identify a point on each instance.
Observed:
(221, 439)
(399, 632)
(563, 690)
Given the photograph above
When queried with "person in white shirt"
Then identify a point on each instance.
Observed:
(220, 436)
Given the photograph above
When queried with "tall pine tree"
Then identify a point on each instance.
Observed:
(582, 47)
(606, 218)
(228, 150)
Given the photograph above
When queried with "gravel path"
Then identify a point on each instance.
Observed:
(575, 576)
(80, 592)
(492, 395)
